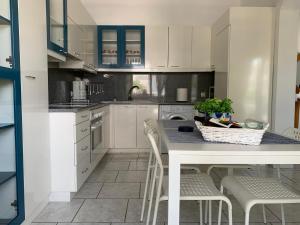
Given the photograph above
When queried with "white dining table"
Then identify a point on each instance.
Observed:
(182, 151)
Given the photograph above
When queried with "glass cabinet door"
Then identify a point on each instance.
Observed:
(109, 47)
(5, 35)
(134, 46)
(56, 15)
(8, 178)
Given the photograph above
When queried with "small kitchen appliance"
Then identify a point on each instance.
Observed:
(182, 95)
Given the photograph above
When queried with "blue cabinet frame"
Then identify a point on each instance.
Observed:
(121, 35)
(53, 46)
(13, 74)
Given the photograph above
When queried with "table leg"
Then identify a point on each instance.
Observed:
(174, 190)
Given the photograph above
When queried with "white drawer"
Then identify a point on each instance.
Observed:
(83, 149)
(82, 130)
(83, 171)
(82, 116)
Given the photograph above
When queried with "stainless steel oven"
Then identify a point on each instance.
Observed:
(97, 142)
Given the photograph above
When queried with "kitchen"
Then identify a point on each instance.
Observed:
(79, 82)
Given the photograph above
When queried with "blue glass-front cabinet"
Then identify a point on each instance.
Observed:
(11, 159)
(57, 27)
(121, 46)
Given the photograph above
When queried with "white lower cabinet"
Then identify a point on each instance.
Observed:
(70, 149)
(144, 112)
(128, 123)
(125, 126)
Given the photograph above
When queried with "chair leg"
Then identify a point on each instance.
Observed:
(151, 194)
(264, 214)
(220, 207)
(146, 188)
(282, 214)
(209, 212)
(151, 177)
(229, 213)
(157, 200)
(247, 215)
(201, 213)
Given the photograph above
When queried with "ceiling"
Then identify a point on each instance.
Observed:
(160, 12)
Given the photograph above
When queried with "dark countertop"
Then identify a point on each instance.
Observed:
(61, 108)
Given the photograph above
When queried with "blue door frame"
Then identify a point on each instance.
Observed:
(13, 74)
(121, 30)
(53, 46)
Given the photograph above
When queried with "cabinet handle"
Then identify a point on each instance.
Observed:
(85, 148)
(84, 130)
(175, 66)
(30, 77)
(160, 66)
(84, 171)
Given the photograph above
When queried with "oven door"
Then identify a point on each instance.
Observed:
(97, 144)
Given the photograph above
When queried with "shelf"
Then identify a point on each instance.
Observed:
(109, 41)
(109, 55)
(133, 55)
(6, 125)
(134, 41)
(6, 176)
(4, 21)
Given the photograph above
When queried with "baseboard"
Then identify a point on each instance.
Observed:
(29, 218)
(61, 196)
(128, 150)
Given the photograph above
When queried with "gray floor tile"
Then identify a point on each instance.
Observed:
(142, 190)
(292, 214)
(125, 157)
(131, 176)
(102, 210)
(102, 176)
(43, 223)
(138, 165)
(59, 211)
(120, 190)
(115, 165)
(89, 190)
(83, 223)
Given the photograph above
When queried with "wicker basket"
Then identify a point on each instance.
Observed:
(232, 135)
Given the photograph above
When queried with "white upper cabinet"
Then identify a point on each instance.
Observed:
(201, 44)
(180, 46)
(156, 45)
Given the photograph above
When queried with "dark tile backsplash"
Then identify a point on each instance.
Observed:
(156, 86)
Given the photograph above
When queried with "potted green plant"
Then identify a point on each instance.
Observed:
(215, 108)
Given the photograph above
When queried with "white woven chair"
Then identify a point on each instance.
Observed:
(198, 187)
(150, 125)
(250, 191)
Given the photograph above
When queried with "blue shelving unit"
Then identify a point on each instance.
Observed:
(11, 155)
(121, 46)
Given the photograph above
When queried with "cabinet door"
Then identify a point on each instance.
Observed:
(75, 39)
(201, 43)
(156, 47)
(57, 25)
(106, 127)
(180, 46)
(109, 46)
(89, 45)
(125, 126)
(221, 63)
(133, 54)
(144, 112)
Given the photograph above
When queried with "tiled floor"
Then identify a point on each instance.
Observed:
(113, 195)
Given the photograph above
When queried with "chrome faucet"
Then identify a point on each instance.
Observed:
(130, 92)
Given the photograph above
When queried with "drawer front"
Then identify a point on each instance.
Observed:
(82, 116)
(83, 171)
(82, 130)
(83, 149)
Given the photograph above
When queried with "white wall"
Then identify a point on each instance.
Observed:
(33, 54)
(285, 69)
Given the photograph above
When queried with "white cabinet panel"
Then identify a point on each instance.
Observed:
(125, 126)
(75, 34)
(201, 44)
(106, 127)
(180, 46)
(156, 47)
(144, 112)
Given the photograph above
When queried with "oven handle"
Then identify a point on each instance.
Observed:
(94, 126)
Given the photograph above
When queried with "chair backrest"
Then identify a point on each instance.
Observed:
(151, 137)
(292, 133)
(151, 125)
